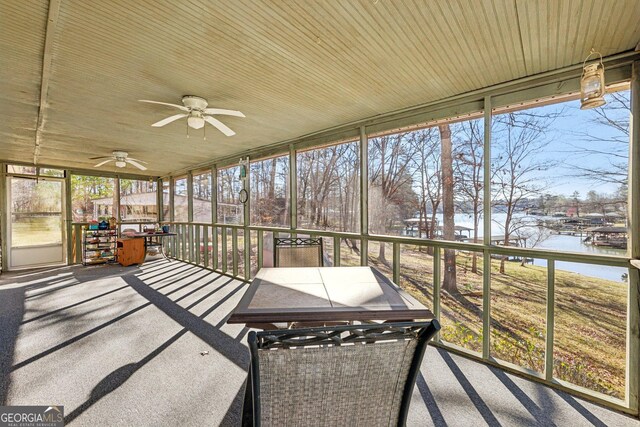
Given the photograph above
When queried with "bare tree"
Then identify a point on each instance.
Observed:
(229, 186)
(612, 145)
(576, 201)
(448, 224)
(530, 236)
(468, 164)
(518, 164)
(329, 189)
(269, 199)
(347, 187)
(390, 179)
(428, 178)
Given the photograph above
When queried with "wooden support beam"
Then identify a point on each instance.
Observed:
(223, 237)
(364, 196)
(205, 238)
(160, 200)
(4, 227)
(293, 188)
(172, 184)
(191, 236)
(436, 285)
(336, 251)
(550, 329)
(115, 208)
(246, 233)
(47, 58)
(486, 231)
(234, 249)
(396, 262)
(214, 216)
(633, 303)
(260, 248)
(68, 218)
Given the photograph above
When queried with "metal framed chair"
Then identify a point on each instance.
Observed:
(297, 252)
(339, 375)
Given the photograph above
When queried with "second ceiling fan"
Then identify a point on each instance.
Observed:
(195, 110)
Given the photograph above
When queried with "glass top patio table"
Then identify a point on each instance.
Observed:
(325, 294)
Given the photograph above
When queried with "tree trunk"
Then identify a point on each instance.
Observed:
(431, 234)
(381, 254)
(507, 224)
(271, 195)
(448, 226)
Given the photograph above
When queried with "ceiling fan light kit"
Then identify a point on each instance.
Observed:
(195, 122)
(196, 111)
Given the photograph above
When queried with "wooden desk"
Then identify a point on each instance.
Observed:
(152, 239)
(325, 294)
(130, 251)
(145, 241)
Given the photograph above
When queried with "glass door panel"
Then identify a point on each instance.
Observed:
(36, 222)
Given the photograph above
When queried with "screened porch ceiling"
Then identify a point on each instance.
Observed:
(71, 72)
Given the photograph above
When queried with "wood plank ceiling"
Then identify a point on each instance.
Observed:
(292, 67)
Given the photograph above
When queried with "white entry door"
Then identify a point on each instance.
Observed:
(36, 231)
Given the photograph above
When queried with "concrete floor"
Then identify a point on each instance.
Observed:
(123, 346)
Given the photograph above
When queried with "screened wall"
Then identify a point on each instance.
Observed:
(496, 219)
(511, 215)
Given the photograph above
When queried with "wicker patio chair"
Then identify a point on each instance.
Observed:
(297, 252)
(355, 375)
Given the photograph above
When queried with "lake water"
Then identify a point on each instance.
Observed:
(561, 243)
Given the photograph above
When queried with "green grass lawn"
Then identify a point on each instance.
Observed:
(590, 315)
(36, 231)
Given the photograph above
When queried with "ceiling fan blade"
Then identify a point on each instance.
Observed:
(221, 126)
(224, 112)
(182, 107)
(103, 163)
(137, 160)
(136, 164)
(168, 120)
(100, 157)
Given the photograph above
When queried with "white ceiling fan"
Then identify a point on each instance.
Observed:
(121, 158)
(196, 111)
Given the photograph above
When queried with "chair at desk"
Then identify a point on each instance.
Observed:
(335, 375)
(297, 252)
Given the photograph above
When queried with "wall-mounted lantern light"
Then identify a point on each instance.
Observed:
(592, 83)
(244, 167)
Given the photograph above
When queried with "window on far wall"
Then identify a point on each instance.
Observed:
(92, 198)
(408, 170)
(59, 173)
(166, 205)
(329, 188)
(202, 197)
(230, 210)
(270, 191)
(23, 170)
(34, 170)
(180, 202)
(559, 174)
(138, 200)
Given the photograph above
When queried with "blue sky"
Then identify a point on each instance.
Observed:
(566, 133)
